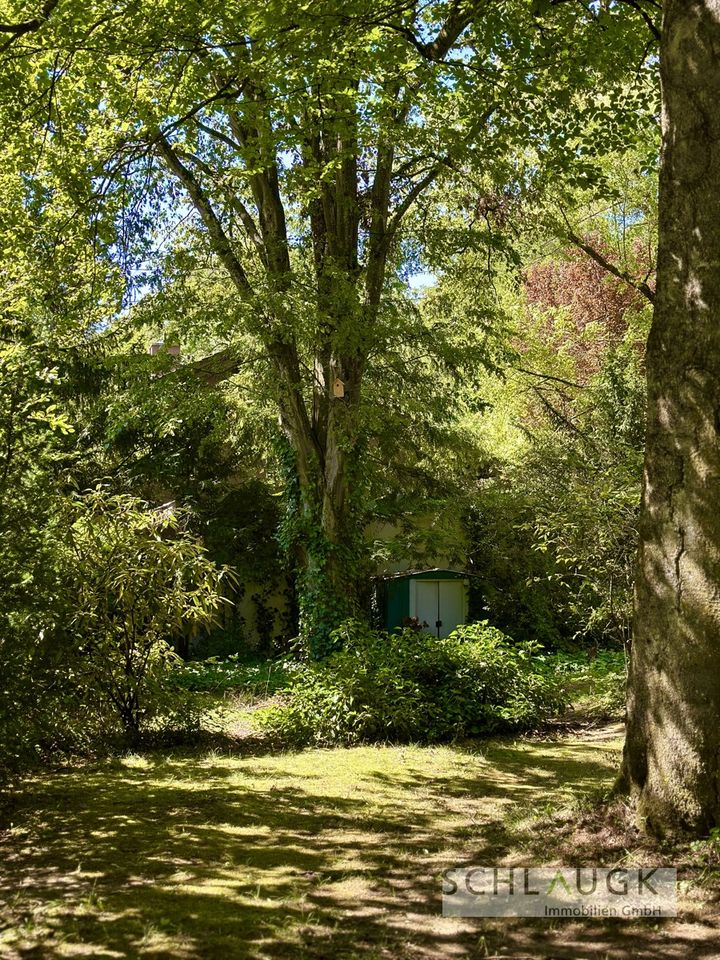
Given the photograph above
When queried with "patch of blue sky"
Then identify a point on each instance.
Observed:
(419, 282)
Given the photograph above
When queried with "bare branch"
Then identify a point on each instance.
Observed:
(547, 376)
(559, 418)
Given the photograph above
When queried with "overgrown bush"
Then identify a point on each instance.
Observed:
(412, 687)
(595, 684)
(138, 580)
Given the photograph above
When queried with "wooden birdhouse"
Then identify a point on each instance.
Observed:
(338, 388)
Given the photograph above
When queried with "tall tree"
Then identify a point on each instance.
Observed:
(300, 140)
(321, 193)
(672, 753)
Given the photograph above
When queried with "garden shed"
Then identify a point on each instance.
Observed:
(435, 600)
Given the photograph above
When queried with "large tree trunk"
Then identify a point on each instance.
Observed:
(672, 752)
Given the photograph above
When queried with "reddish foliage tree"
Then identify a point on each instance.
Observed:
(583, 292)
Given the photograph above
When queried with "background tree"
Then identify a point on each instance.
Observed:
(302, 167)
(553, 520)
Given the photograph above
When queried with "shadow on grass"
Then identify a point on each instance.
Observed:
(324, 853)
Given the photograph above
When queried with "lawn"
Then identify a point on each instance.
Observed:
(317, 854)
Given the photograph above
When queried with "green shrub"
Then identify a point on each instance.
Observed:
(216, 675)
(412, 687)
(594, 684)
(137, 581)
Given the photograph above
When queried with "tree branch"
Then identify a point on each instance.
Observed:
(547, 376)
(217, 134)
(623, 275)
(265, 186)
(559, 417)
(410, 197)
(18, 29)
(218, 238)
(461, 16)
(595, 255)
(235, 202)
(649, 22)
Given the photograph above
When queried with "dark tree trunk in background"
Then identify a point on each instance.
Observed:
(672, 752)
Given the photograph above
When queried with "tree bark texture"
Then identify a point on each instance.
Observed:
(672, 751)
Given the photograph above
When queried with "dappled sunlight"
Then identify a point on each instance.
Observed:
(679, 599)
(308, 854)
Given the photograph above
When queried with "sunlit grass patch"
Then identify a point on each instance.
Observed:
(314, 854)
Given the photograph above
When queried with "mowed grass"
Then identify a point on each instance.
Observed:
(324, 853)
